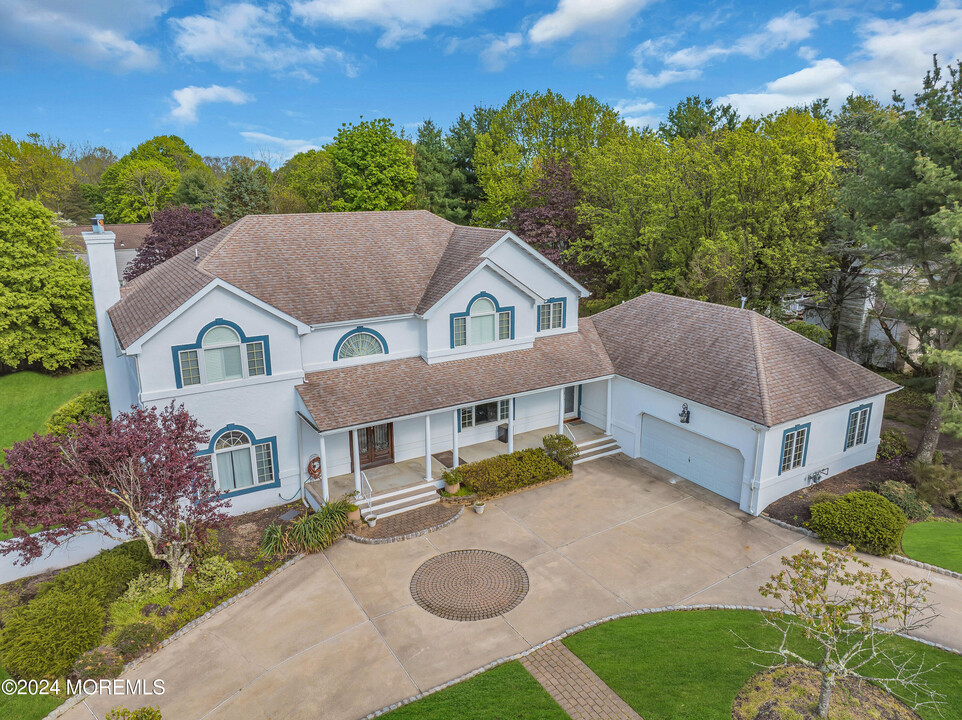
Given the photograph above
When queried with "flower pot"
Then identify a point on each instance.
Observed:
(354, 515)
(479, 508)
(452, 488)
(371, 520)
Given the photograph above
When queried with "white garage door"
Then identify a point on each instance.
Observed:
(705, 462)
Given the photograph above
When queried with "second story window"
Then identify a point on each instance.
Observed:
(359, 345)
(484, 323)
(221, 353)
(551, 315)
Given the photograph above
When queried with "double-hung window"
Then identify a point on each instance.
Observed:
(239, 464)
(485, 413)
(222, 356)
(551, 315)
(793, 448)
(857, 432)
(484, 323)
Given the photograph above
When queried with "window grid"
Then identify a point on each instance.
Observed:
(552, 315)
(360, 344)
(556, 315)
(255, 359)
(793, 450)
(467, 417)
(265, 463)
(504, 325)
(857, 428)
(189, 368)
(545, 322)
(460, 331)
(504, 409)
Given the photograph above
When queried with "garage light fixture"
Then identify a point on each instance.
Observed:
(684, 415)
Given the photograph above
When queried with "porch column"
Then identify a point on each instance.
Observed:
(427, 449)
(561, 411)
(511, 425)
(455, 438)
(608, 410)
(356, 460)
(325, 493)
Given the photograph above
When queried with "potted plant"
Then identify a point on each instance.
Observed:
(452, 481)
(371, 520)
(353, 513)
(479, 506)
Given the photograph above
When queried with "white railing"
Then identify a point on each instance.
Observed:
(568, 432)
(366, 490)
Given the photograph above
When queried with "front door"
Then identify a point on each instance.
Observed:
(375, 445)
(571, 405)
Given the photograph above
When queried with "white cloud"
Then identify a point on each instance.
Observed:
(638, 112)
(578, 16)
(190, 98)
(892, 55)
(399, 20)
(640, 76)
(95, 32)
(499, 50)
(241, 36)
(284, 147)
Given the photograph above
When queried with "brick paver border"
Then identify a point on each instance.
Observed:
(573, 685)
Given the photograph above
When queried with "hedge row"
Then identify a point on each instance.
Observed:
(504, 473)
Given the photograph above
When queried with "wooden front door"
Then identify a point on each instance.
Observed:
(375, 445)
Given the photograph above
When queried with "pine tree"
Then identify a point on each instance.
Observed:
(434, 164)
(462, 140)
(244, 193)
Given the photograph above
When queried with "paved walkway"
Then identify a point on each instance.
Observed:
(338, 635)
(579, 692)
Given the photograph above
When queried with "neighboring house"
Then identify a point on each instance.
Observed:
(324, 350)
(129, 238)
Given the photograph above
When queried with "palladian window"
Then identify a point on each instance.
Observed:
(485, 323)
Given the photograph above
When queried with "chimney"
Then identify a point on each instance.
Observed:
(102, 262)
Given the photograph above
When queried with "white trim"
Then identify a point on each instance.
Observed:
(495, 268)
(582, 290)
(176, 393)
(136, 347)
(362, 321)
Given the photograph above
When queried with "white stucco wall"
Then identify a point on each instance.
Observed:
(402, 336)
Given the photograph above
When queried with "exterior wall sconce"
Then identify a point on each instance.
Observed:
(684, 415)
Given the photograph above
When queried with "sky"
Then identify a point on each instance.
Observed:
(269, 79)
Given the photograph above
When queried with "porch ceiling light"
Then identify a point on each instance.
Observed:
(684, 415)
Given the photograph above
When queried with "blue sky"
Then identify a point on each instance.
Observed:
(273, 78)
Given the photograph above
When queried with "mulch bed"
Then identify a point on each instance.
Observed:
(785, 692)
(241, 539)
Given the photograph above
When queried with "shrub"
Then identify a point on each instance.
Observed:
(214, 574)
(143, 713)
(101, 662)
(820, 496)
(863, 519)
(903, 497)
(136, 638)
(936, 484)
(815, 333)
(561, 449)
(104, 577)
(892, 444)
(938, 458)
(144, 586)
(308, 533)
(504, 473)
(43, 638)
(79, 409)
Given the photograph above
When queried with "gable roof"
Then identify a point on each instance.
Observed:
(375, 392)
(733, 360)
(315, 267)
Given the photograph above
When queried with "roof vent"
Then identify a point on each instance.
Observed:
(97, 223)
(196, 255)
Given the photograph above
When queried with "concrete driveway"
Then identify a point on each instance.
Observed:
(338, 635)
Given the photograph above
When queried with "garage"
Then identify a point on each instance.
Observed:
(704, 462)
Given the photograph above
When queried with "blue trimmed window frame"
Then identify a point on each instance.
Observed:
(176, 350)
(467, 314)
(564, 311)
(848, 425)
(357, 331)
(807, 427)
(254, 442)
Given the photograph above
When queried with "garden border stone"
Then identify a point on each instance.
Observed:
(406, 536)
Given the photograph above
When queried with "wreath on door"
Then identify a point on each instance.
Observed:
(314, 467)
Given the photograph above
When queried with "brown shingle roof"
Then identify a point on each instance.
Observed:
(318, 268)
(130, 236)
(364, 394)
(733, 360)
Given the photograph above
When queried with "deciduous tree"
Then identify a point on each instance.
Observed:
(138, 473)
(373, 166)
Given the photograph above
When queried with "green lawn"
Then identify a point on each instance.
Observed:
(25, 707)
(29, 398)
(936, 543)
(508, 692)
(687, 665)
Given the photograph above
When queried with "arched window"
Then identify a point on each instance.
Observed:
(358, 345)
(483, 321)
(222, 354)
(238, 463)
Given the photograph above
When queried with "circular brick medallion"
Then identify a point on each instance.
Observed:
(469, 585)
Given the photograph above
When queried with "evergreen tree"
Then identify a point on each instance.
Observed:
(462, 140)
(243, 193)
(434, 165)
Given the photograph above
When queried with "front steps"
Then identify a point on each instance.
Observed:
(394, 502)
(597, 448)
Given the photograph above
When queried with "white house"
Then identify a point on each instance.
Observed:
(324, 350)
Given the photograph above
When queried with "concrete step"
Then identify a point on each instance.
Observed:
(595, 441)
(402, 506)
(397, 501)
(596, 457)
(597, 450)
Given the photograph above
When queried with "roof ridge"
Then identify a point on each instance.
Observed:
(760, 369)
(437, 264)
(230, 230)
